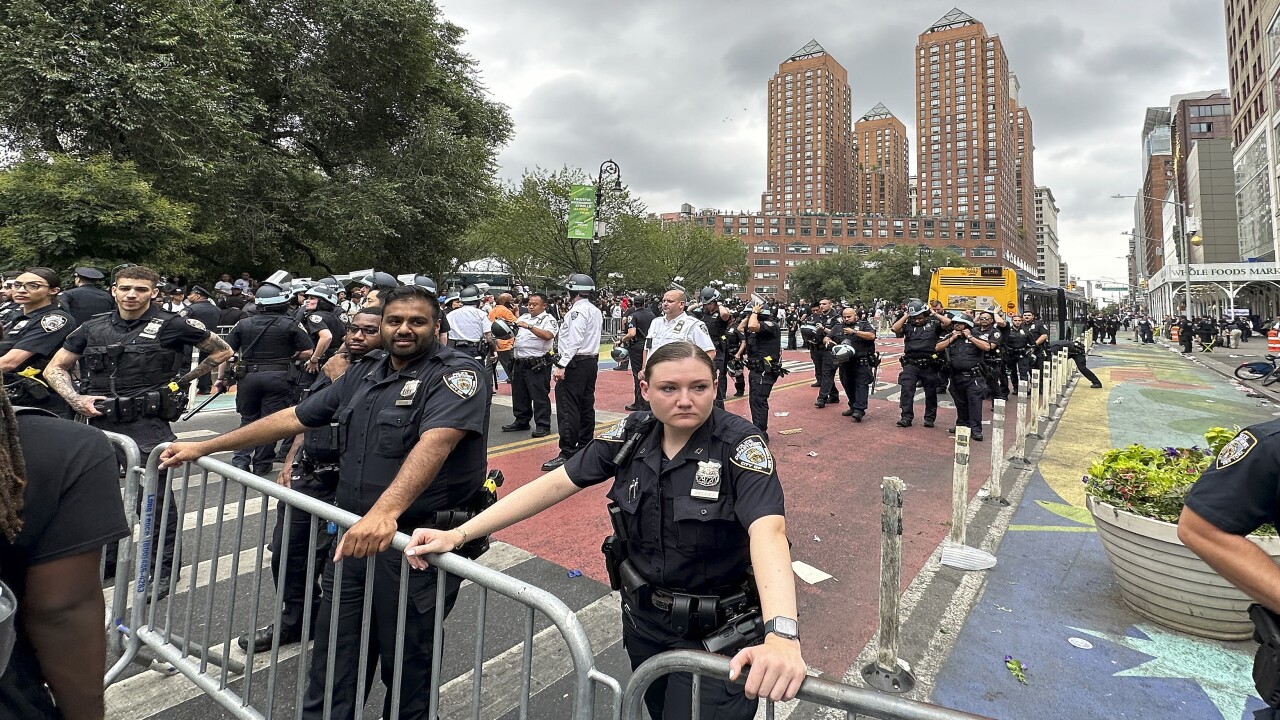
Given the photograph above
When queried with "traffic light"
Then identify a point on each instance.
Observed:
(1071, 286)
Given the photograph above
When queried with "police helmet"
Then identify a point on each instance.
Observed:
(917, 307)
(580, 283)
(502, 330)
(708, 295)
(733, 364)
(696, 312)
(809, 332)
(453, 295)
(963, 319)
(270, 295)
(470, 295)
(619, 353)
(841, 353)
(426, 282)
(324, 294)
(380, 281)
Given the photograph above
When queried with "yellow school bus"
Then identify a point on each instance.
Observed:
(975, 288)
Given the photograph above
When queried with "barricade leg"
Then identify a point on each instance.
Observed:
(992, 492)
(885, 673)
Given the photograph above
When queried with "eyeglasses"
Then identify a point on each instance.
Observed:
(28, 285)
(357, 330)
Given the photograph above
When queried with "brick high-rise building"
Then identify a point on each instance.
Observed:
(1197, 116)
(966, 138)
(1023, 164)
(810, 165)
(1157, 175)
(882, 163)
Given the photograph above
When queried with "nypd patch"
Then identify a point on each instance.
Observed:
(52, 323)
(752, 454)
(315, 319)
(1234, 451)
(196, 324)
(463, 383)
(615, 433)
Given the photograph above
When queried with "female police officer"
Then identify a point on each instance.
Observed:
(696, 506)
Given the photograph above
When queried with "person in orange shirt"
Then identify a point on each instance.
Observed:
(506, 348)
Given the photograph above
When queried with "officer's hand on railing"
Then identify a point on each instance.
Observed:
(777, 668)
(285, 477)
(84, 404)
(426, 541)
(181, 452)
(370, 535)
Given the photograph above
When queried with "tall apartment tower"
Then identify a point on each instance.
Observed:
(967, 147)
(1153, 200)
(1252, 64)
(810, 166)
(882, 164)
(1023, 164)
(1048, 257)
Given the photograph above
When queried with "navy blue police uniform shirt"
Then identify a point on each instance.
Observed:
(1240, 490)
(71, 506)
(688, 517)
(383, 413)
(40, 332)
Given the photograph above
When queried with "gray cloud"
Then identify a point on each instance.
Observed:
(675, 91)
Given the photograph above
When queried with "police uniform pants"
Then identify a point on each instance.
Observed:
(1017, 367)
(1085, 371)
(818, 356)
(646, 633)
(827, 378)
(258, 395)
(576, 404)
(1000, 388)
(531, 393)
(722, 376)
(761, 385)
(505, 358)
(419, 629)
(204, 383)
(857, 378)
(911, 377)
(301, 382)
(967, 390)
(635, 359)
(292, 599)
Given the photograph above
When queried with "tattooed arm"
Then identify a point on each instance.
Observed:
(218, 350)
(58, 375)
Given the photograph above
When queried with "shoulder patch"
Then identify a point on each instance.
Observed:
(53, 322)
(703, 326)
(315, 318)
(752, 454)
(196, 324)
(1234, 451)
(463, 383)
(615, 433)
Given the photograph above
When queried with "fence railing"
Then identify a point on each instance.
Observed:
(212, 600)
(815, 691)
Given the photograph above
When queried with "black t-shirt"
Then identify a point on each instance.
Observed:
(317, 320)
(71, 506)
(1241, 489)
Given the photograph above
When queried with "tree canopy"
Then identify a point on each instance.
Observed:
(295, 134)
(882, 274)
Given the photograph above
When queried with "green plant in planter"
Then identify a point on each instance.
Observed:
(1153, 482)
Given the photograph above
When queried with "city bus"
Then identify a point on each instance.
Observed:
(974, 289)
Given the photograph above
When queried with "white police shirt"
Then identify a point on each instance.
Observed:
(682, 327)
(529, 345)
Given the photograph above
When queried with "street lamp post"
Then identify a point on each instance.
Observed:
(1182, 241)
(608, 167)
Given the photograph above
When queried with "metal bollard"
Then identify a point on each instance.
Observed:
(960, 485)
(1020, 428)
(992, 493)
(885, 673)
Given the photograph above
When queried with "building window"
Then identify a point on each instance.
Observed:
(764, 248)
(799, 249)
(983, 251)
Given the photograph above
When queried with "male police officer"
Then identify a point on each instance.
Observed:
(676, 325)
(267, 345)
(87, 298)
(717, 320)
(312, 469)
(992, 331)
(965, 353)
(202, 309)
(857, 374)
(763, 360)
(414, 439)
(535, 333)
(1038, 333)
(576, 367)
(922, 342)
(828, 334)
(639, 318)
(1017, 352)
(132, 360)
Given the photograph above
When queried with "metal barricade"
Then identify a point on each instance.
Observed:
(117, 606)
(613, 327)
(194, 631)
(817, 691)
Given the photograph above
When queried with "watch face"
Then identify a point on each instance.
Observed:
(785, 627)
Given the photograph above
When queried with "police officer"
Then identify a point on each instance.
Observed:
(922, 341)
(697, 507)
(763, 360)
(735, 347)
(535, 333)
(1113, 327)
(992, 329)
(717, 320)
(8, 308)
(1185, 328)
(469, 325)
(639, 318)
(87, 298)
(30, 340)
(376, 285)
(1207, 329)
(1145, 330)
(311, 468)
(857, 375)
(827, 330)
(134, 385)
(413, 435)
(1017, 352)
(576, 367)
(675, 324)
(966, 352)
(323, 326)
(201, 308)
(266, 345)
(1038, 333)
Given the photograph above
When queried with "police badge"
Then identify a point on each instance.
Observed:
(407, 393)
(315, 319)
(706, 484)
(463, 383)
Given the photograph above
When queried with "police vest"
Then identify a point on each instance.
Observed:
(765, 343)
(123, 363)
(1016, 338)
(920, 340)
(716, 328)
(268, 338)
(964, 355)
(994, 336)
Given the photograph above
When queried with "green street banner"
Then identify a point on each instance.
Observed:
(582, 212)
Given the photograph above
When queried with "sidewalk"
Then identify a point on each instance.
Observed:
(1052, 587)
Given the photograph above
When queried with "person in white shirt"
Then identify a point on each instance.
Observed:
(176, 303)
(676, 325)
(535, 334)
(576, 369)
(224, 284)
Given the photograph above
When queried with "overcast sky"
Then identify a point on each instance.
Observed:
(675, 91)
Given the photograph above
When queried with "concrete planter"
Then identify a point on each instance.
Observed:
(1164, 581)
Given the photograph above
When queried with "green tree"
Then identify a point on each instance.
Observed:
(656, 253)
(312, 135)
(835, 276)
(889, 273)
(61, 212)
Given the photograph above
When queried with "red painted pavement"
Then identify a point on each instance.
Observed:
(834, 496)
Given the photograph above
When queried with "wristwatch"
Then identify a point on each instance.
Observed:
(784, 627)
